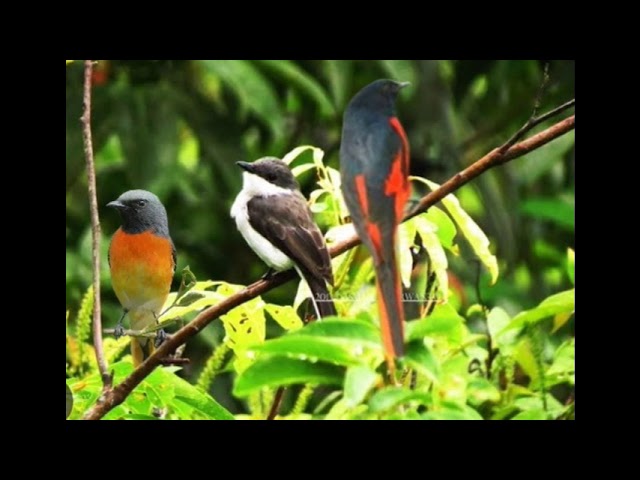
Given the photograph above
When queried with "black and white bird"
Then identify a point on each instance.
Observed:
(274, 219)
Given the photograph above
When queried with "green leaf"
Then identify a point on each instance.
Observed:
(358, 330)
(286, 316)
(557, 211)
(464, 413)
(480, 390)
(444, 322)
(297, 77)
(571, 264)
(357, 384)
(438, 258)
(446, 229)
(406, 235)
(420, 357)
(563, 302)
(469, 229)
(296, 152)
(278, 371)
(496, 321)
(537, 414)
(314, 348)
(563, 367)
(252, 89)
(390, 397)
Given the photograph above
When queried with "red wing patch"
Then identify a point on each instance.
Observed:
(361, 189)
(397, 183)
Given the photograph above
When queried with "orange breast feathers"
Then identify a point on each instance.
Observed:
(141, 269)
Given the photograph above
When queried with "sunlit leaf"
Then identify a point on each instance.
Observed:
(469, 229)
(277, 371)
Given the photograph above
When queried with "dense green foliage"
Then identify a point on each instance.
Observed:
(475, 349)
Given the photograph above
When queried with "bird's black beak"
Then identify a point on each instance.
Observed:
(245, 166)
(116, 204)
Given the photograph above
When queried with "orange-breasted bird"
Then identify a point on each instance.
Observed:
(374, 165)
(142, 259)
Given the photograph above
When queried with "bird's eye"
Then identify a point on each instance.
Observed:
(141, 203)
(271, 177)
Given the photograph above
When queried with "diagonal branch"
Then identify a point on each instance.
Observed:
(95, 225)
(118, 394)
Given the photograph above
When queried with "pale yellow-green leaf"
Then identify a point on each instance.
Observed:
(286, 316)
(296, 152)
(560, 303)
(406, 235)
(431, 243)
(560, 319)
(469, 229)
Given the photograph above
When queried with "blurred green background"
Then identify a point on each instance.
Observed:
(178, 127)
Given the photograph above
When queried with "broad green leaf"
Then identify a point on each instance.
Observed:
(420, 357)
(358, 330)
(571, 265)
(278, 371)
(465, 413)
(253, 90)
(304, 81)
(286, 316)
(206, 406)
(496, 321)
(314, 348)
(469, 229)
(390, 397)
(558, 211)
(480, 390)
(559, 320)
(563, 366)
(358, 381)
(536, 414)
(189, 394)
(438, 258)
(446, 229)
(444, 322)
(563, 302)
(70, 61)
(524, 355)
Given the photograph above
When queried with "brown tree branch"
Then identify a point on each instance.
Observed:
(95, 226)
(119, 393)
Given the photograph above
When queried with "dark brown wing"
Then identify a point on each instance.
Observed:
(286, 221)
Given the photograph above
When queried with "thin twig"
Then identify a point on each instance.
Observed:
(120, 392)
(275, 406)
(95, 226)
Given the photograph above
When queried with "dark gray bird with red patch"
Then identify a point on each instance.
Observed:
(374, 164)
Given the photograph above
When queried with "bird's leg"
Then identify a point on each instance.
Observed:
(268, 274)
(161, 335)
(119, 330)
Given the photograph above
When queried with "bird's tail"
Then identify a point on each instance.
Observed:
(391, 308)
(320, 297)
(141, 348)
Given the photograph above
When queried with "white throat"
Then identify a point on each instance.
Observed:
(254, 186)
